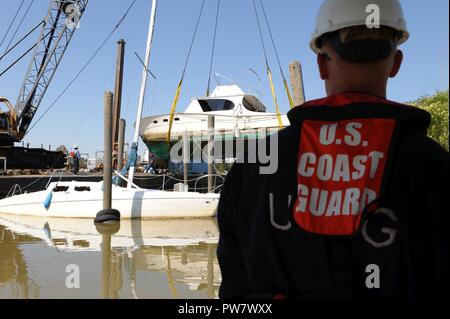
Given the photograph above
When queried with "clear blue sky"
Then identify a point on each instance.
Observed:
(425, 69)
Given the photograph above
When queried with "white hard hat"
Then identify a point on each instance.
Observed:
(75, 146)
(335, 15)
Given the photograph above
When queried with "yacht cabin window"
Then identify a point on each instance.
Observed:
(214, 105)
(252, 104)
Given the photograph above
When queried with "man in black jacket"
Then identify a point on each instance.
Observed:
(357, 206)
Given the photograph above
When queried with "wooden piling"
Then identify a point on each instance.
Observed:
(186, 156)
(107, 159)
(211, 128)
(295, 69)
(120, 150)
(118, 92)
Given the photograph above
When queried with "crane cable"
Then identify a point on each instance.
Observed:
(213, 49)
(19, 25)
(83, 68)
(17, 43)
(24, 54)
(9, 49)
(180, 84)
(11, 23)
(288, 92)
(269, 71)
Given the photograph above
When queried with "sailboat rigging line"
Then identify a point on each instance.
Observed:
(213, 49)
(269, 71)
(91, 107)
(20, 58)
(180, 85)
(261, 35)
(143, 64)
(271, 37)
(9, 49)
(11, 23)
(193, 39)
(94, 55)
(19, 25)
(291, 101)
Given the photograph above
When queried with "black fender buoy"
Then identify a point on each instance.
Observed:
(107, 215)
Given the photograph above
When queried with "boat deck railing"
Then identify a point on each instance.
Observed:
(15, 190)
(216, 189)
(18, 190)
(167, 179)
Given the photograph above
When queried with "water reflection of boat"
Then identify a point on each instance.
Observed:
(81, 234)
(182, 251)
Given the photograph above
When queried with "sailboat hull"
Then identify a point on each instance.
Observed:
(131, 203)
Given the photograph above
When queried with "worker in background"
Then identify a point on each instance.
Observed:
(76, 156)
(115, 157)
(358, 207)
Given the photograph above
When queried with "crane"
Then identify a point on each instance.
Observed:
(57, 30)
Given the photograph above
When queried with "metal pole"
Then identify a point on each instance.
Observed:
(186, 155)
(107, 156)
(118, 91)
(211, 126)
(143, 84)
(122, 127)
(295, 69)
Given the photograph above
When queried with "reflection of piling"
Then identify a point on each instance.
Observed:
(210, 274)
(122, 127)
(107, 161)
(170, 276)
(211, 128)
(106, 230)
(298, 88)
(106, 265)
(116, 275)
(184, 256)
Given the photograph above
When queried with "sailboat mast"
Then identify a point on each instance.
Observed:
(151, 29)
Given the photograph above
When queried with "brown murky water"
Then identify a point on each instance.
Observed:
(69, 258)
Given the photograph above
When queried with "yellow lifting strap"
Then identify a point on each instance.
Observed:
(173, 109)
(288, 92)
(272, 87)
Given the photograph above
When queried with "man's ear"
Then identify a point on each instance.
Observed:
(323, 67)
(398, 59)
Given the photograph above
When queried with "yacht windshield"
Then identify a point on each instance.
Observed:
(215, 105)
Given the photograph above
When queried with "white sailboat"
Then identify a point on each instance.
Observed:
(84, 199)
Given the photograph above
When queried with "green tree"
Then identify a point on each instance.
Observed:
(437, 105)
